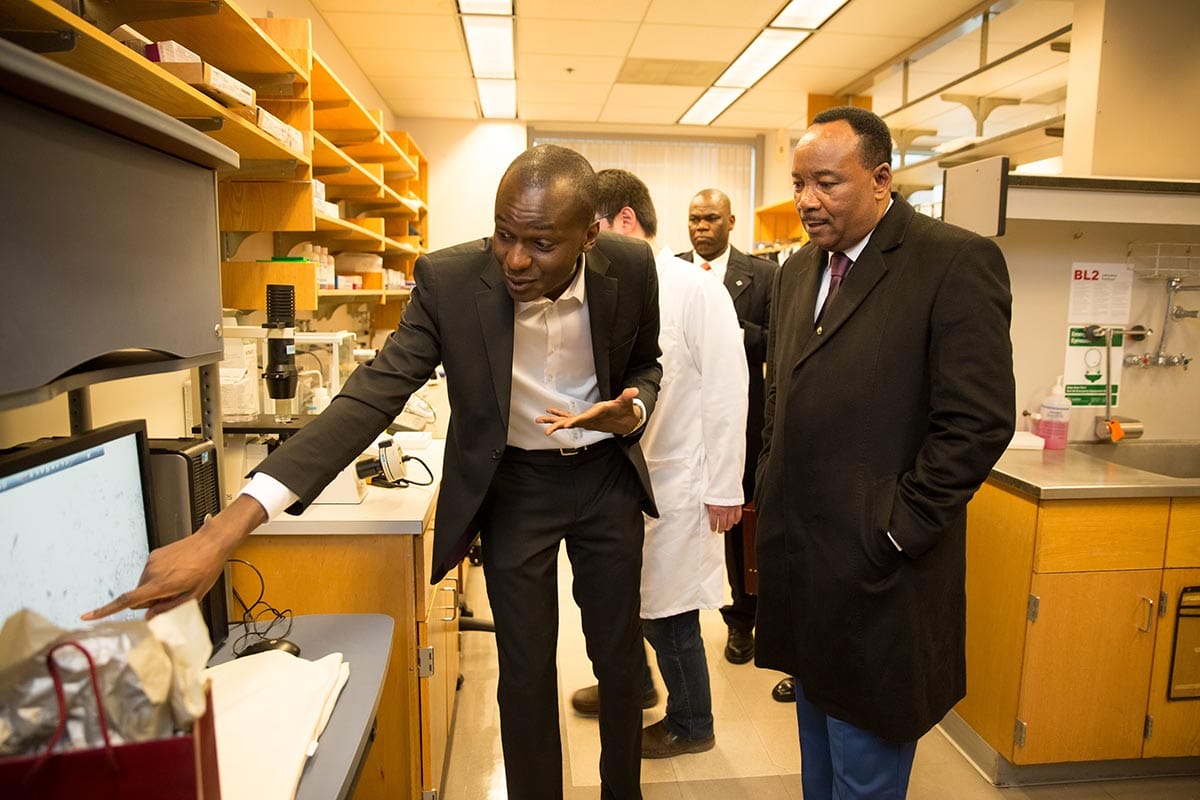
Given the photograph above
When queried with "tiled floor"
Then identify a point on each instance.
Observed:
(757, 756)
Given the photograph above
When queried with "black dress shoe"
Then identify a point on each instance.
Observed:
(586, 701)
(739, 647)
(658, 741)
(785, 691)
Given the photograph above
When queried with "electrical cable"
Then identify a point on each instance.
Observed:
(384, 483)
(261, 624)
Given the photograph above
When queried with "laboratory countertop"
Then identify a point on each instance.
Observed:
(402, 511)
(1070, 474)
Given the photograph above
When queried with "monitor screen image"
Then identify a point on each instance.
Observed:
(75, 522)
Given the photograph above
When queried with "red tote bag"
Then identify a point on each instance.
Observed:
(176, 768)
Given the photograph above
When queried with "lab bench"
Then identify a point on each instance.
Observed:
(1076, 567)
(374, 558)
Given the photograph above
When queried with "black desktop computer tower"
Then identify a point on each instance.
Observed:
(186, 492)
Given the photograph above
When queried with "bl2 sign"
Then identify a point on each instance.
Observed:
(1087, 275)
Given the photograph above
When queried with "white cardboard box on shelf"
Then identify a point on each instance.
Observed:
(280, 130)
(212, 81)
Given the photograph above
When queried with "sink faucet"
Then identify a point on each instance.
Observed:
(1173, 312)
(1110, 428)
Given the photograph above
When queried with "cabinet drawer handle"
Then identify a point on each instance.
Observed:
(1149, 615)
(453, 608)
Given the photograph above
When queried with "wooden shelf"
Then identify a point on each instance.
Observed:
(102, 58)
(235, 43)
(367, 295)
(776, 226)
(338, 114)
(334, 168)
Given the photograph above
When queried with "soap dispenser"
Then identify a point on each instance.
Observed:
(1055, 415)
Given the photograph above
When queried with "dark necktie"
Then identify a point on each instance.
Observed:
(839, 265)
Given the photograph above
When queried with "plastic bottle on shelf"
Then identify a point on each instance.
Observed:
(1055, 415)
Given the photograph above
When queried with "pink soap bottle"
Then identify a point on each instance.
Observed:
(1055, 416)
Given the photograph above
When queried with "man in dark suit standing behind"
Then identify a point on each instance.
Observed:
(749, 280)
(889, 398)
(549, 335)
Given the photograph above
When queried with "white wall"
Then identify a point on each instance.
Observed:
(466, 162)
(1040, 256)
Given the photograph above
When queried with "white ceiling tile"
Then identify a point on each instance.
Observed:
(573, 67)
(692, 42)
(641, 115)
(570, 54)
(433, 108)
(768, 120)
(633, 94)
(409, 31)
(442, 7)
(913, 19)
(585, 38)
(845, 50)
(428, 88)
(807, 79)
(612, 10)
(561, 92)
(559, 112)
(713, 12)
(376, 62)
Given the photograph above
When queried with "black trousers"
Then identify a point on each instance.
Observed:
(592, 501)
(739, 614)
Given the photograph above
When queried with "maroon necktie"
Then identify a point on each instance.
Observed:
(839, 265)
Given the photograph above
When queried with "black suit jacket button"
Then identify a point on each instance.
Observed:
(497, 454)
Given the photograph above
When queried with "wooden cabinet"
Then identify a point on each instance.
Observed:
(1088, 651)
(1173, 726)
(1070, 626)
(341, 573)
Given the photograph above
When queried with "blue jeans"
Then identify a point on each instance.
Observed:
(841, 762)
(684, 668)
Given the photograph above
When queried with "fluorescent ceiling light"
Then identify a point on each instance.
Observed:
(768, 49)
(490, 45)
(497, 98)
(810, 14)
(710, 105)
(503, 7)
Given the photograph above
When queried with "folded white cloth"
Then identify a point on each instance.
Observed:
(268, 710)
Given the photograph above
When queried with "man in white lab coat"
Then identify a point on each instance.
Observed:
(695, 449)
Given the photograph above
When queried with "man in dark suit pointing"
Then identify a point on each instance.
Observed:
(549, 336)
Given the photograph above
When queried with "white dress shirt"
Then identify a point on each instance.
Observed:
(716, 266)
(553, 367)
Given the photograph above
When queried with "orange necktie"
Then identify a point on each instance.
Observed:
(706, 266)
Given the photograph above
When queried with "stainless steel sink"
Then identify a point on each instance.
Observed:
(1176, 459)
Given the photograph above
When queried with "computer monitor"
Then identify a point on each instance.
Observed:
(76, 522)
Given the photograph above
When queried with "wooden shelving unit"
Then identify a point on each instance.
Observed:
(777, 226)
(100, 57)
